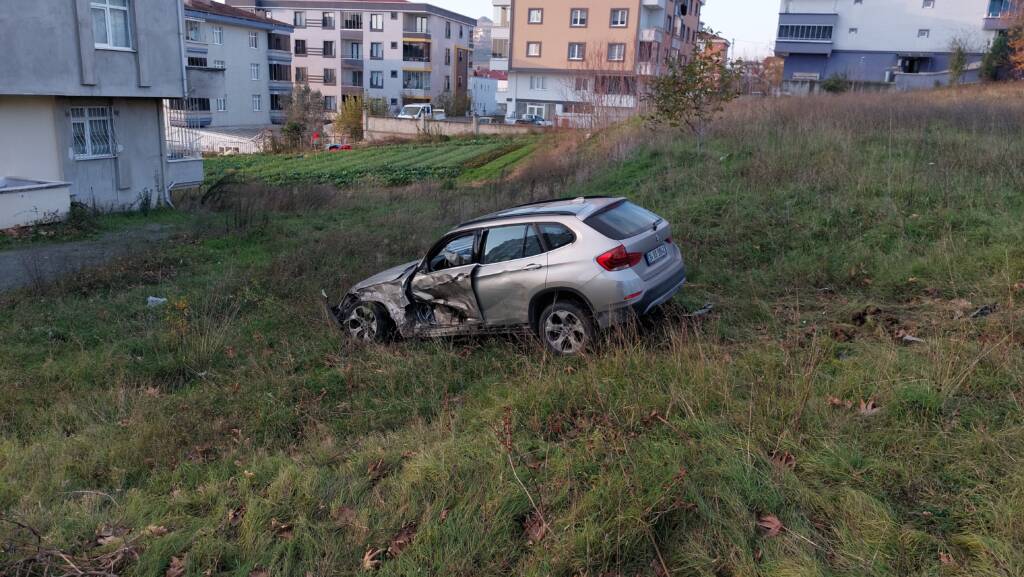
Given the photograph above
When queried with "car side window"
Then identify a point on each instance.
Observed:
(504, 243)
(556, 235)
(456, 252)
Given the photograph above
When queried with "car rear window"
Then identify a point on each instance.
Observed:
(622, 221)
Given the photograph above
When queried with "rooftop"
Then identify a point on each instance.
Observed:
(211, 7)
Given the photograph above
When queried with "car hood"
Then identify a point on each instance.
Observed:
(390, 275)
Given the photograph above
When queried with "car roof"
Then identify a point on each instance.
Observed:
(581, 207)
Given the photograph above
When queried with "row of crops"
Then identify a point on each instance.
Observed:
(388, 165)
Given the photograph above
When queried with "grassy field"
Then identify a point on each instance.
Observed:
(796, 431)
(387, 165)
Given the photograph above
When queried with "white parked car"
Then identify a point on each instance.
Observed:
(418, 111)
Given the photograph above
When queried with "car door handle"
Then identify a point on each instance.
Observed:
(533, 266)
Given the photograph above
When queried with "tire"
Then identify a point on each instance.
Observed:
(368, 322)
(566, 328)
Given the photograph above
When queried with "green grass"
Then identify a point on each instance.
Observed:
(85, 224)
(390, 165)
(818, 227)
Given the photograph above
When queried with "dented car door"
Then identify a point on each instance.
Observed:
(513, 269)
(444, 282)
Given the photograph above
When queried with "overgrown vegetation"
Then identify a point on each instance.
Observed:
(853, 407)
(390, 165)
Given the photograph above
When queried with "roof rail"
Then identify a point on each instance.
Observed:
(563, 199)
(499, 216)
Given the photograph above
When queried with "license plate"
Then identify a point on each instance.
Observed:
(657, 254)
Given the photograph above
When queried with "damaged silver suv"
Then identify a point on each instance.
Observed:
(560, 268)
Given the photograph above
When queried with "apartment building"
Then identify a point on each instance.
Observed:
(82, 105)
(401, 52)
(899, 42)
(570, 62)
(239, 67)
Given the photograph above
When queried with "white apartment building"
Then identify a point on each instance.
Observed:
(882, 41)
(238, 65)
(401, 52)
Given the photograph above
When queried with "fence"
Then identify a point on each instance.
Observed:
(376, 128)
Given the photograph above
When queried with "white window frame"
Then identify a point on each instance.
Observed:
(538, 82)
(107, 6)
(377, 74)
(88, 115)
(581, 51)
(536, 110)
(621, 56)
(612, 22)
(578, 17)
(220, 64)
(254, 40)
(222, 104)
(539, 49)
(531, 12)
(924, 33)
(257, 103)
(254, 71)
(928, 4)
(328, 106)
(218, 35)
(198, 24)
(379, 17)
(299, 19)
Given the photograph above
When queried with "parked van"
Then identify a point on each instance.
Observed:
(418, 111)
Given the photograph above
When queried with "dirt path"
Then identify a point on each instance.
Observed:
(22, 267)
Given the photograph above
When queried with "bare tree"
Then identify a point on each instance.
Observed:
(304, 116)
(601, 90)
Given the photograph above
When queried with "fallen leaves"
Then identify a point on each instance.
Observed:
(235, 515)
(868, 408)
(176, 568)
(281, 530)
(783, 460)
(443, 516)
(155, 531)
(259, 573)
(534, 527)
(371, 559)
(865, 407)
(770, 524)
(946, 559)
(840, 403)
(402, 539)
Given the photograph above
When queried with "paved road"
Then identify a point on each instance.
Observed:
(47, 262)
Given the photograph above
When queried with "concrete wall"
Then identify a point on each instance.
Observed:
(376, 129)
(120, 181)
(28, 138)
(28, 207)
(49, 49)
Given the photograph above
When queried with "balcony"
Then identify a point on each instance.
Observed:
(352, 63)
(654, 4)
(351, 33)
(280, 86)
(651, 34)
(805, 34)
(351, 90)
(418, 35)
(277, 116)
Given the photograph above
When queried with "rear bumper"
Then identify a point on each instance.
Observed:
(664, 289)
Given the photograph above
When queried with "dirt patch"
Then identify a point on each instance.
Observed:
(37, 265)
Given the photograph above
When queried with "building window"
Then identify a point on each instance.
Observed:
(92, 132)
(222, 104)
(327, 21)
(582, 84)
(257, 102)
(394, 45)
(219, 64)
(616, 52)
(501, 16)
(578, 17)
(376, 79)
(647, 52)
(535, 16)
(416, 51)
(377, 22)
(329, 76)
(329, 48)
(357, 78)
(394, 74)
(276, 102)
(536, 110)
(499, 48)
(533, 49)
(447, 56)
(854, 30)
(355, 51)
(394, 102)
(461, 30)
(805, 32)
(196, 62)
(218, 35)
(414, 80)
(620, 17)
(254, 40)
(376, 51)
(300, 47)
(193, 31)
(458, 81)
(110, 24)
(447, 29)
(538, 83)
(924, 33)
(447, 83)
(928, 4)
(394, 15)
(254, 72)
(299, 19)
(420, 25)
(352, 20)
(577, 51)
(330, 103)
(301, 75)
(280, 72)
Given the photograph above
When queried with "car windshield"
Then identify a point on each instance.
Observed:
(410, 110)
(622, 221)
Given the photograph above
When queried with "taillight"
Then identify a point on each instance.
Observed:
(618, 259)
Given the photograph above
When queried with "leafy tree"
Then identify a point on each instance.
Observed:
(304, 116)
(453, 104)
(1015, 41)
(692, 92)
(957, 62)
(997, 59)
(349, 120)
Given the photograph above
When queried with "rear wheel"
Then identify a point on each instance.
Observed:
(368, 322)
(565, 328)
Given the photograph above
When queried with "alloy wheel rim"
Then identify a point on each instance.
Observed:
(564, 332)
(362, 323)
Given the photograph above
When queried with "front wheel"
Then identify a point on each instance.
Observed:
(565, 328)
(368, 322)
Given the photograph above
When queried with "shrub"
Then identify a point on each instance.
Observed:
(836, 84)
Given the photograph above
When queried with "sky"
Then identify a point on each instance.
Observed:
(750, 23)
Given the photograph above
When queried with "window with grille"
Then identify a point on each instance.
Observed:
(197, 62)
(92, 132)
(111, 26)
